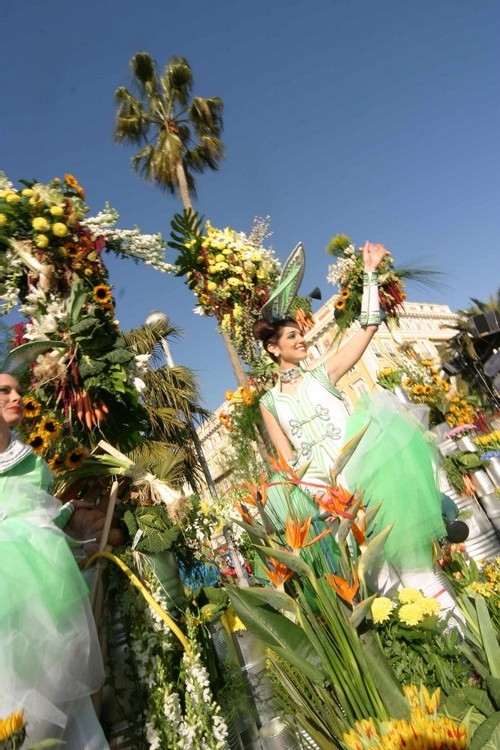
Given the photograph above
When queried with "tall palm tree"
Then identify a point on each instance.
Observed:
(171, 398)
(179, 134)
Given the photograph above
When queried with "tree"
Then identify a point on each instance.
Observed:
(171, 400)
(179, 134)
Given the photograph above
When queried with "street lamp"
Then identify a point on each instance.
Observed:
(155, 318)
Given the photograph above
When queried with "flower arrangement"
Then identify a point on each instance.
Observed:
(12, 731)
(229, 272)
(424, 730)
(462, 430)
(347, 275)
(85, 381)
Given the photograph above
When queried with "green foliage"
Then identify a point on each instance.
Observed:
(157, 532)
(338, 244)
(186, 227)
(456, 465)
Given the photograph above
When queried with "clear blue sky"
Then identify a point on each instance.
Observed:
(379, 119)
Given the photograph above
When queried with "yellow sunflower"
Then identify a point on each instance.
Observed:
(340, 304)
(32, 407)
(345, 294)
(72, 250)
(50, 428)
(102, 294)
(75, 458)
(10, 726)
(38, 442)
(57, 464)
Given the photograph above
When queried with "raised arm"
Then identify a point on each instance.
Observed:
(342, 361)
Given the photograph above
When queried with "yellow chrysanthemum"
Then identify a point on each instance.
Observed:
(411, 614)
(42, 241)
(59, 229)
(408, 596)
(40, 224)
(102, 294)
(13, 198)
(3, 220)
(429, 606)
(381, 609)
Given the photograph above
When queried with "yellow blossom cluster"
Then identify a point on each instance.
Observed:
(412, 607)
(491, 441)
(460, 412)
(426, 730)
(231, 279)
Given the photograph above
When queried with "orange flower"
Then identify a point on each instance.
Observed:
(247, 397)
(73, 182)
(342, 587)
(225, 419)
(258, 492)
(296, 533)
(243, 511)
(336, 501)
(281, 466)
(280, 573)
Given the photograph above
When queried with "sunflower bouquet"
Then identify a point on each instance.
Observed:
(347, 275)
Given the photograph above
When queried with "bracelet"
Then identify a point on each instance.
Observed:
(370, 277)
(370, 305)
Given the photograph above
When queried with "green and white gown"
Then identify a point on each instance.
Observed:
(50, 660)
(394, 463)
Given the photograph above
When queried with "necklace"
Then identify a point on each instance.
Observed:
(290, 375)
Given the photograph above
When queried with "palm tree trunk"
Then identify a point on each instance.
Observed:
(183, 186)
(239, 373)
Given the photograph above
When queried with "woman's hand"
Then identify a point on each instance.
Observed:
(372, 255)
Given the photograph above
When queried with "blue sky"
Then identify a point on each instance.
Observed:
(375, 119)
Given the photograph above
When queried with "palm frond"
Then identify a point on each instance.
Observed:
(143, 67)
(160, 460)
(177, 80)
(206, 116)
(131, 122)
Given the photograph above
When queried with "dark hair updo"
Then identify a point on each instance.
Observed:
(269, 333)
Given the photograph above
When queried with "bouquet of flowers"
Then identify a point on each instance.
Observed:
(347, 275)
(229, 272)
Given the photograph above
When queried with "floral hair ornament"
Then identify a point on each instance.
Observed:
(280, 301)
(24, 354)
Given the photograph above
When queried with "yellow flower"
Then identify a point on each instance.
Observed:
(381, 609)
(59, 229)
(40, 224)
(57, 210)
(50, 428)
(3, 220)
(411, 614)
(211, 286)
(42, 240)
(38, 442)
(28, 192)
(102, 294)
(408, 596)
(340, 304)
(56, 463)
(429, 606)
(13, 198)
(11, 725)
(32, 407)
(75, 458)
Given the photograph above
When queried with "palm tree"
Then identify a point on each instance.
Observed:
(179, 134)
(171, 399)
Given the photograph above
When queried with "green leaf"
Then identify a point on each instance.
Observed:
(487, 736)
(371, 553)
(488, 635)
(274, 598)
(278, 632)
(119, 356)
(384, 678)
(294, 562)
(493, 685)
(361, 610)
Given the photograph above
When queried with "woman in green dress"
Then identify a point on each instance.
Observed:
(50, 660)
(308, 423)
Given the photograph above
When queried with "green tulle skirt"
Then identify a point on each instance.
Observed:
(395, 464)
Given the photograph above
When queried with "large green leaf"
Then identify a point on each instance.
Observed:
(487, 736)
(384, 678)
(294, 562)
(275, 598)
(361, 610)
(371, 553)
(488, 635)
(277, 632)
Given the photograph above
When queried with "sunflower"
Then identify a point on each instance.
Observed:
(32, 407)
(340, 304)
(57, 464)
(345, 294)
(72, 182)
(72, 250)
(38, 442)
(102, 294)
(75, 458)
(50, 428)
(418, 390)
